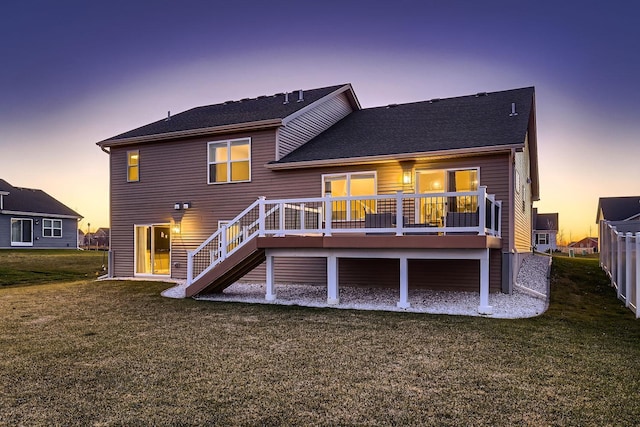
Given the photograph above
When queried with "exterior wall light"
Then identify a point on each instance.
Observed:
(177, 205)
(406, 177)
(176, 227)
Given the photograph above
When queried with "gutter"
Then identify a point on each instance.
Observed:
(238, 127)
(44, 215)
(462, 152)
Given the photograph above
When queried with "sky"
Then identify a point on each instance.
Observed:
(76, 72)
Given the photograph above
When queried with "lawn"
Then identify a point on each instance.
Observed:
(117, 353)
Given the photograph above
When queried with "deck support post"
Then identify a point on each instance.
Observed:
(484, 307)
(332, 280)
(404, 283)
(271, 293)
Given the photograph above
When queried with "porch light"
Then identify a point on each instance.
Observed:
(176, 227)
(406, 177)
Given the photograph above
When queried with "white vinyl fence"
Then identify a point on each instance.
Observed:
(620, 259)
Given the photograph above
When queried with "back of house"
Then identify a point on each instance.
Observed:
(452, 179)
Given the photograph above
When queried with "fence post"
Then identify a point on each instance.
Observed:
(399, 219)
(619, 269)
(628, 279)
(637, 278)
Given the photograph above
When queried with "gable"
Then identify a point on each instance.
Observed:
(618, 208)
(32, 201)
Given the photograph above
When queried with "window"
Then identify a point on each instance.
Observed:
(52, 228)
(133, 166)
(230, 161)
(434, 207)
(21, 232)
(542, 239)
(351, 184)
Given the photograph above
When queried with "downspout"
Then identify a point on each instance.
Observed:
(105, 150)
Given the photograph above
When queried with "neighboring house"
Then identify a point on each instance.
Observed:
(618, 209)
(31, 218)
(588, 245)
(100, 238)
(308, 187)
(545, 231)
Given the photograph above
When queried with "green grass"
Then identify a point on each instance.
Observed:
(32, 267)
(116, 353)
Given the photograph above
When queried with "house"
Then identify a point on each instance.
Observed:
(31, 218)
(308, 187)
(618, 209)
(545, 231)
(98, 239)
(588, 245)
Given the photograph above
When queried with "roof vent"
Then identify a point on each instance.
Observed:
(245, 99)
(479, 94)
(392, 105)
(300, 96)
(286, 98)
(432, 100)
(262, 97)
(228, 102)
(513, 110)
(168, 116)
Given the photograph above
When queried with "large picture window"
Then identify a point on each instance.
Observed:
(351, 184)
(21, 232)
(229, 161)
(433, 209)
(52, 228)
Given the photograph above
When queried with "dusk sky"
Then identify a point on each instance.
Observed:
(77, 72)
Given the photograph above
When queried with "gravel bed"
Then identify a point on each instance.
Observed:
(529, 298)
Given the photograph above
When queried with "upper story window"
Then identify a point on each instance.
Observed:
(353, 185)
(229, 161)
(21, 232)
(133, 166)
(542, 238)
(52, 228)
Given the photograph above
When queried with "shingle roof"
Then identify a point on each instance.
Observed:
(473, 121)
(33, 201)
(619, 208)
(546, 221)
(231, 112)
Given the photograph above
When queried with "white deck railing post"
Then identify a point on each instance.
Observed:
(482, 213)
(281, 217)
(399, 215)
(328, 213)
(261, 215)
(189, 267)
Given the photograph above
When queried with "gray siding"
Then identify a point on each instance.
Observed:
(176, 171)
(311, 123)
(69, 239)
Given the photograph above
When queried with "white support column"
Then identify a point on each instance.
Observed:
(404, 283)
(332, 280)
(484, 307)
(271, 275)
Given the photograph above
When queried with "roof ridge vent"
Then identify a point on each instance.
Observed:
(479, 94)
(513, 110)
(432, 100)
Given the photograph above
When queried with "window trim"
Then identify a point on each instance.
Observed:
(52, 228)
(228, 162)
(547, 238)
(348, 176)
(130, 166)
(11, 232)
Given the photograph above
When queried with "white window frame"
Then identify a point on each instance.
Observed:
(348, 176)
(539, 240)
(51, 228)
(228, 161)
(130, 166)
(11, 232)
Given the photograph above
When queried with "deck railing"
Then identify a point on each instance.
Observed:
(400, 214)
(620, 259)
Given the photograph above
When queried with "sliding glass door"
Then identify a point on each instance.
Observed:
(153, 249)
